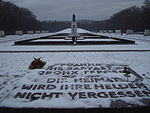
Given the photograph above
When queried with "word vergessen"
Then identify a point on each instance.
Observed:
(81, 95)
(46, 91)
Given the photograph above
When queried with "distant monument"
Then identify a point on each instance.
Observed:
(74, 35)
(75, 38)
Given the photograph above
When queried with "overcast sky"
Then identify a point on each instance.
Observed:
(84, 9)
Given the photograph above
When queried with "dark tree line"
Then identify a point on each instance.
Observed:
(135, 18)
(14, 18)
(54, 26)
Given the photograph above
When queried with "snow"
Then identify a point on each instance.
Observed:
(10, 38)
(142, 43)
(79, 30)
(43, 40)
(14, 72)
(100, 40)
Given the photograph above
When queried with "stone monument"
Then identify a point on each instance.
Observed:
(30, 32)
(129, 31)
(74, 35)
(117, 31)
(147, 32)
(19, 32)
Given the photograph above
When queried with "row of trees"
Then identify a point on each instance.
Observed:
(14, 18)
(54, 26)
(136, 18)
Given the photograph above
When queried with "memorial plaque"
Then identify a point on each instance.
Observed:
(83, 85)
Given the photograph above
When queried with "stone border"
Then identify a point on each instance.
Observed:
(118, 40)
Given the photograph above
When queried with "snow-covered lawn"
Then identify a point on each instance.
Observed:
(142, 43)
(12, 38)
(56, 79)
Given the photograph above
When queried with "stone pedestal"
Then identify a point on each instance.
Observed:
(118, 31)
(129, 31)
(147, 32)
(46, 31)
(2, 34)
(30, 32)
(19, 32)
(100, 31)
(43, 32)
(104, 31)
(37, 32)
(110, 31)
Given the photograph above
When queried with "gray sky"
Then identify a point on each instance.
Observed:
(84, 9)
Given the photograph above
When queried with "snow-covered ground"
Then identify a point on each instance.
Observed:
(142, 43)
(58, 88)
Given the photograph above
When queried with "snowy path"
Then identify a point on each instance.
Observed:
(56, 51)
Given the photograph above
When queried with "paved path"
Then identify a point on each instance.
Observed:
(47, 51)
